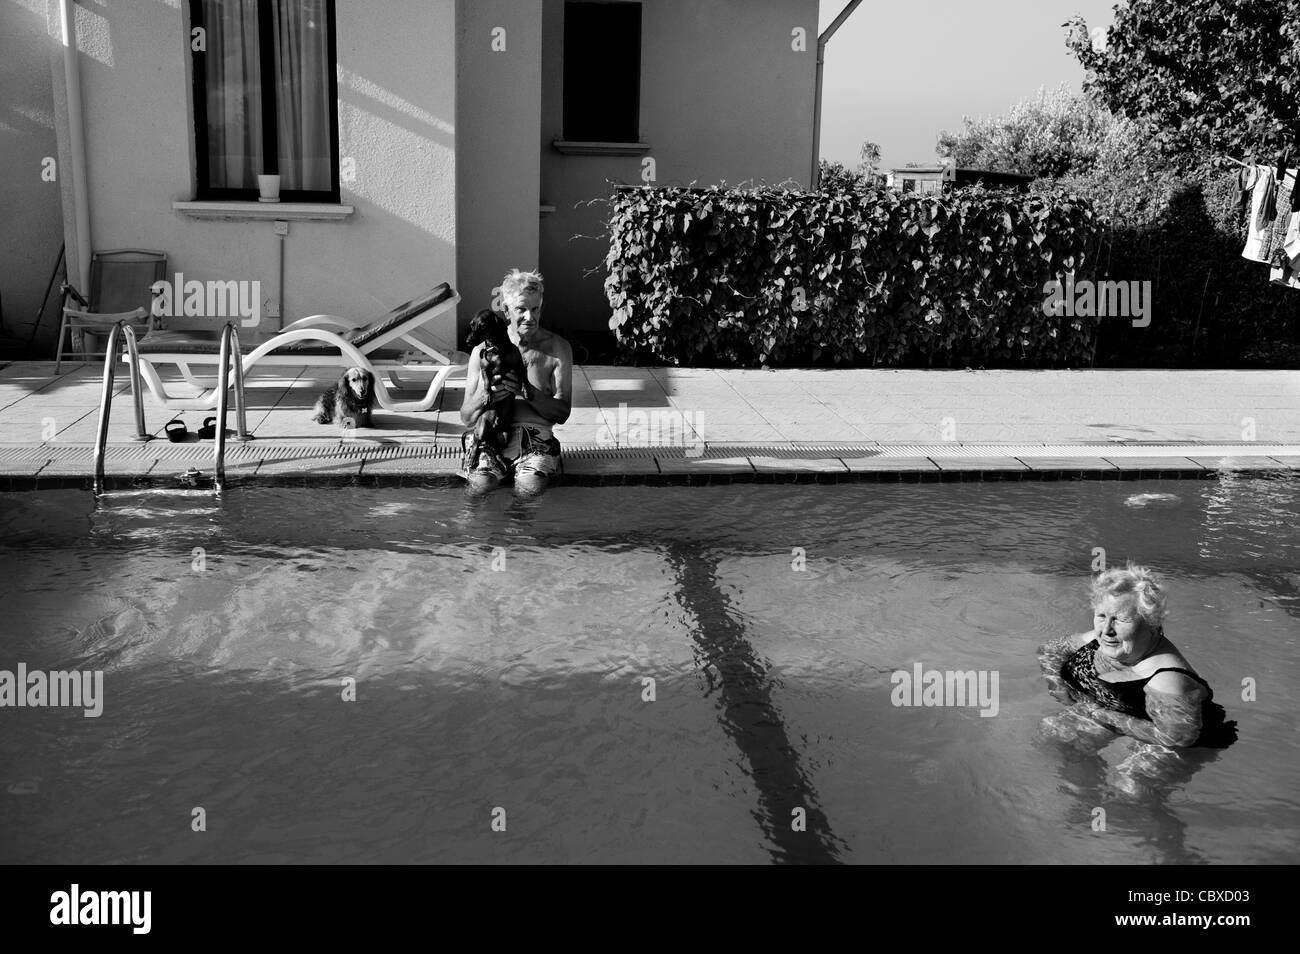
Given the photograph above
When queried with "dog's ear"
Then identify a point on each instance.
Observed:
(341, 384)
(480, 327)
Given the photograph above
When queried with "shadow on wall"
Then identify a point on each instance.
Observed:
(29, 188)
(396, 166)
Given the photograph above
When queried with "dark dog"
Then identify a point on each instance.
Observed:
(500, 356)
(349, 401)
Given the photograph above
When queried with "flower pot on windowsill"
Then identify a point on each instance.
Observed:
(269, 187)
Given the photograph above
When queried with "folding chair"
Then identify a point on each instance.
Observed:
(120, 290)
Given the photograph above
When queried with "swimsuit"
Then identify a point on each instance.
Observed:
(1129, 697)
(532, 449)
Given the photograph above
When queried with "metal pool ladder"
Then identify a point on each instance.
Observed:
(229, 343)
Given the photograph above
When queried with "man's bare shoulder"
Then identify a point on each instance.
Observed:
(554, 346)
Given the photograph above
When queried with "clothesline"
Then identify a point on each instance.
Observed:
(1273, 224)
(1248, 165)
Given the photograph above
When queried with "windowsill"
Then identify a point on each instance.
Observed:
(244, 211)
(571, 148)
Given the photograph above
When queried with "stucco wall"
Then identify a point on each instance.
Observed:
(724, 97)
(498, 118)
(29, 204)
(396, 84)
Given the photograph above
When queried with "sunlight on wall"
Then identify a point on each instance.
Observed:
(40, 117)
(400, 171)
(398, 168)
(93, 37)
(353, 81)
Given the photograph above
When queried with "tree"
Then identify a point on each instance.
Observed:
(1209, 76)
(869, 160)
(1169, 220)
(835, 176)
(1053, 133)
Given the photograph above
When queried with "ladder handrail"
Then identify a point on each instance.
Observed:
(120, 330)
(229, 343)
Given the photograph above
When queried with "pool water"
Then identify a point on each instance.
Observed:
(502, 652)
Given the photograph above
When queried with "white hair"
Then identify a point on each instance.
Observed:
(1139, 582)
(518, 282)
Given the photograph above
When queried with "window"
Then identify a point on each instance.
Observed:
(909, 185)
(264, 98)
(602, 72)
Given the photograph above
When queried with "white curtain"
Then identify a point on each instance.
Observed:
(234, 93)
(302, 94)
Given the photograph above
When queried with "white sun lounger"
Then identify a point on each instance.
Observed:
(327, 340)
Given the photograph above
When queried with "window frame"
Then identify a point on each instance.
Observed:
(204, 190)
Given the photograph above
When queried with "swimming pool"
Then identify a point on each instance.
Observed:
(501, 651)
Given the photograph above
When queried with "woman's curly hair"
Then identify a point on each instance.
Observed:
(1152, 601)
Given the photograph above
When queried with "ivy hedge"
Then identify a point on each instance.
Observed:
(771, 276)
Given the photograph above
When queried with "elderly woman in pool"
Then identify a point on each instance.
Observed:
(1125, 675)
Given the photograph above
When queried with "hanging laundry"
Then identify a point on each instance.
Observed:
(1245, 186)
(1291, 244)
(1286, 259)
(1277, 231)
(1260, 227)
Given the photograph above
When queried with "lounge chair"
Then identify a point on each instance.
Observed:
(327, 340)
(121, 282)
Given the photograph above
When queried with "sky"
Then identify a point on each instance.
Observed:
(901, 72)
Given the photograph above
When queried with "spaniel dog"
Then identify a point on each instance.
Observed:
(349, 401)
(500, 356)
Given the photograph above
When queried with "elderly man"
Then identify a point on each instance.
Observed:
(544, 399)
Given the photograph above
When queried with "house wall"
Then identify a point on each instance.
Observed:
(724, 97)
(498, 118)
(29, 199)
(926, 182)
(396, 85)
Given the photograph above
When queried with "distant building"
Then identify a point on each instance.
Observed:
(934, 179)
(924, 179)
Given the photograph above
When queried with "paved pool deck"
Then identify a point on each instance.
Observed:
(683, 425)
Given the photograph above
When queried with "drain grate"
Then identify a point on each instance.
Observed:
(322, 458)
(604, 452)
(426, 450)
(250, 450)
(23, 454)
(1111, 450)
(790, 451)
